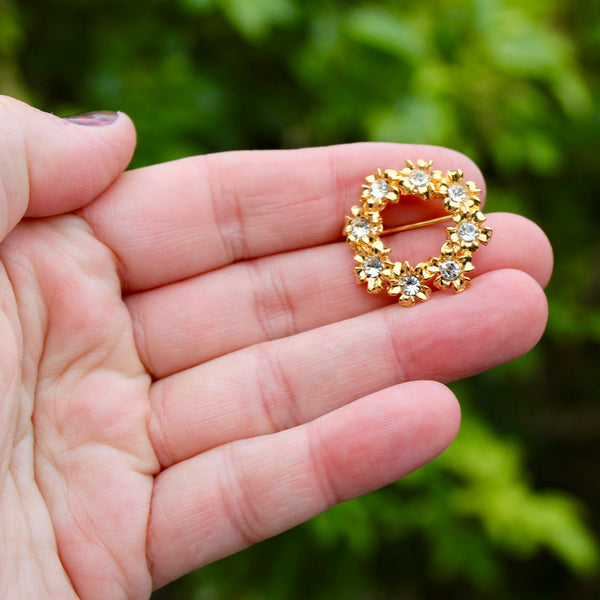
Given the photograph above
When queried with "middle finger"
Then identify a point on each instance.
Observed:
(192, 321)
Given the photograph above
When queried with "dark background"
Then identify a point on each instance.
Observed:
(511, 509)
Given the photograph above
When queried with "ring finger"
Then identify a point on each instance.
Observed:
(280, 384)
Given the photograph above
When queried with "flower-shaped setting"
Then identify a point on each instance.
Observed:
(381, 188)
(458, 193)
(450, 269)
(420, 180)
(373, 267)
(364, 228)
(469, 231)
(409, 283)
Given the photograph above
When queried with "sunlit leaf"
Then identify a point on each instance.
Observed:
(255, 18)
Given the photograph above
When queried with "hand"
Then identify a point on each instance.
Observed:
(187, 365)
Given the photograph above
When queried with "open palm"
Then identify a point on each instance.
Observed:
(186, 364)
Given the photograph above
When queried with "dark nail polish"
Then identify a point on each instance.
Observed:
(96, 118)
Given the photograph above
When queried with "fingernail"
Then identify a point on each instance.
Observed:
(96, 118)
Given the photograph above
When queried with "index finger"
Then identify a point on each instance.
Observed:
(172, 221)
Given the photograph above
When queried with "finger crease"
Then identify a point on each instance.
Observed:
(157, 427)
(237, 499)
(273, 304)
(399, 348)
(319, 467)
(277, 397)
(229, 216)
(139, 336)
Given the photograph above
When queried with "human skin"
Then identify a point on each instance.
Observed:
(187, 365)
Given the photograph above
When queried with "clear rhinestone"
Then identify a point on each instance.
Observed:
(372, 267)
(457, 193)
(360, 227)
(450, 270)
(378, 189)
(410, 285)
(468, 232)
(419, 178)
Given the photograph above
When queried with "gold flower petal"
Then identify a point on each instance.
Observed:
(407, 300)
(424, 293)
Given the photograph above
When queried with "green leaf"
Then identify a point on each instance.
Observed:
(413, 119)
(197, 6)
(386, 31)
(255, 18)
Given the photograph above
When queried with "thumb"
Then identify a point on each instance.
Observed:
(50, 165)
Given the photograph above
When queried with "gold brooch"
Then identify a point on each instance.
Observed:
(363, 231)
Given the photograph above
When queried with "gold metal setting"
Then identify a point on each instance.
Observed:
(363, 231)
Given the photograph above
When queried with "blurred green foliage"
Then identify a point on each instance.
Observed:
(507, 512)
